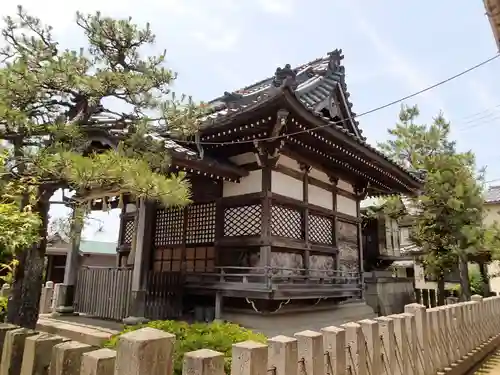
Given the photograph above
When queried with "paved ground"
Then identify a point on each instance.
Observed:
(491, 366)
(84, 320)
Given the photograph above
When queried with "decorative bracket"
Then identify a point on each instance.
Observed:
(281, 119)
(334, 180)
(304, 167)
(267, 154)
(361, 190)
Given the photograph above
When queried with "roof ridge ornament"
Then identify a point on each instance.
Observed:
(335, 58)
(285, 76)
(230, 99)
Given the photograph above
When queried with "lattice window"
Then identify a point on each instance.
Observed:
(128, 230)
(286, 222)
(201, 223)
(200, 259)
(168, 259)
(320, 229)
(169, 226)
(242, 221)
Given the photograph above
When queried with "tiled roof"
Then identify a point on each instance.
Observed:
(313, 85)
(492, 195)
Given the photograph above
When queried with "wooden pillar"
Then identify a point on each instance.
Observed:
(361, 194)
(265, 234)
(142, 258)
(67, 290)
(305, 198)
(334, 180)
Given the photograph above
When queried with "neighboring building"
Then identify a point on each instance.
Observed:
(275, 222)
(492, 208)
(92, 254)
(388, 272)
(493, 14)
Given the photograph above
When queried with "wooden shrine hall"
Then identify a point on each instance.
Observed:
(275, 221)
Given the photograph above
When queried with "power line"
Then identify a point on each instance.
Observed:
(331, 123)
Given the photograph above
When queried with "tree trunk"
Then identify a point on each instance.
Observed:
(24, 303)
(463, 267)
(483, 269)
(441, 291)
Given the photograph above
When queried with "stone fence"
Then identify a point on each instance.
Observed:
(448, 339)
(48, 297)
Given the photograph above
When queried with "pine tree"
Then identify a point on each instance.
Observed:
(92, 119)
(448, 224)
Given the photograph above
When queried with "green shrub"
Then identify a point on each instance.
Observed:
(217, 336)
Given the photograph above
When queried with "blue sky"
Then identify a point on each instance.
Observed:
(392, 48)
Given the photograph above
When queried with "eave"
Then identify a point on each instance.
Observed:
(318, 136)
(493, 13)
(336, 131)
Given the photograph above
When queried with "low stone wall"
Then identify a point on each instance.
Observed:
(389, 295)
(48, 296)
(448, 339)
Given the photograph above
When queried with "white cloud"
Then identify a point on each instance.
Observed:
(282, 7)
(210, 25)
(399, 65)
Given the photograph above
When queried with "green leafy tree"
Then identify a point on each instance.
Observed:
(448, 222)
(92, 119)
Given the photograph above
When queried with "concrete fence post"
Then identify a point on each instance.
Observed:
(311, 354)
(249, 358)
(411, 335)
(98, 362)
(283, 355)
(445, 335)
(56, 298)
(371, 332)
(67, 357)
(452, 333)
(46, 298)
(334, 344)
(401, 348)
(203, 362)
(462, 330)
(424, 352)
(13, 350)
(479, 317)
(38, 353)
(145, 351)
(388, 344)
(356, 349)
(5, 291)
(435, 339)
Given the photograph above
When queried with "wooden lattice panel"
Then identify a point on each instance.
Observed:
(200, 223)
(320, 229)
(169, 226)
(242, 221)
(286, 222)
(128, 230)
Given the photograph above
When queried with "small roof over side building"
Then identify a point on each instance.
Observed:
(492, 195)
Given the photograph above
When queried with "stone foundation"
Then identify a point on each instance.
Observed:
(288, 323)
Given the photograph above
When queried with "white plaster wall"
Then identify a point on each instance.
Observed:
(285, 185)
(246, 158)
(322, 176)
(346, 205)
(344, 185)
(320, 197)
(249, 184)
(289, 162)
(421, 283)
